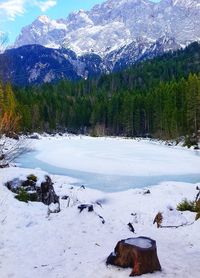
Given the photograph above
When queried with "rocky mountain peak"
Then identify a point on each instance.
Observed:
(44, 19)
(114, 24)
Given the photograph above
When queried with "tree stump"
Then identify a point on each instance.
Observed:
(138, 253)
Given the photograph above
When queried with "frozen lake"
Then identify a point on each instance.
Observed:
(111, 164)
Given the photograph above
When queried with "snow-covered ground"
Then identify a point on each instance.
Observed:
(76, 245)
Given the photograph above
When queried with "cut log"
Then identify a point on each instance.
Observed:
(138, 253)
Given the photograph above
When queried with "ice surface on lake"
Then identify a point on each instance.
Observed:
(113, 164)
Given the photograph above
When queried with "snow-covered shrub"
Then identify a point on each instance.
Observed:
(25, 196)
(22, 196)
(32, 177)
(193, 206)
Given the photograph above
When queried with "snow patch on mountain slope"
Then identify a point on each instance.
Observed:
(116, 23)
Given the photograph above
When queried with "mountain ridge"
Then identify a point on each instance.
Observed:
(36, 64)
(114, 24)
(110, 37)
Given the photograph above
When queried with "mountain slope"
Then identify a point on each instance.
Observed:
(108, 38)
(116, 23)
(36, 64)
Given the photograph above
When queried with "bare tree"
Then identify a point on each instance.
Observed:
(11, 145)
(10, 148)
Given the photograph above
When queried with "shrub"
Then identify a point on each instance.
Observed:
(25, 196)
(186, 205)
(191, 206)
(33, 197)
(32, 177)
(22, 196)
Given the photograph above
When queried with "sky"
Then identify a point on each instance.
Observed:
(15, 14)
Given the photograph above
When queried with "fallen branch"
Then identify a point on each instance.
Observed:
(182, 225)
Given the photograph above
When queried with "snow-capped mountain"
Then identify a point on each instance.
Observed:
(109, 37)
(115, 24)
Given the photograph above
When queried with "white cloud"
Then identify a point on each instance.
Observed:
(9, 9)
(45, 5)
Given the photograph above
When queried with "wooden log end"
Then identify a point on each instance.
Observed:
(138, 253)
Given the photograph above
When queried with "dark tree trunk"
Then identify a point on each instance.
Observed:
(138, 253)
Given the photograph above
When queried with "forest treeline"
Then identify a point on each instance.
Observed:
(159, 97)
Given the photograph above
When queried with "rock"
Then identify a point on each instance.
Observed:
(99, 204)
(29, 185)
(14, 185)
(34, 136)
(138, 253)
(2, 156)
(2, 166)
(90, 208)
(86, 206)
(12, 135)
(198, 194)
(131, 228)
(102, 219)
(65, 197)
(54, 208)
(28, 190)
(46, 192)
(147, 192)
(102, 201)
